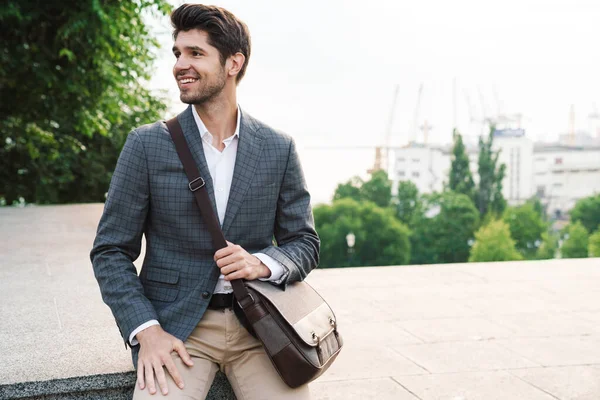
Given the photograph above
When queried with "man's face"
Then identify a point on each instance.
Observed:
(198, 69)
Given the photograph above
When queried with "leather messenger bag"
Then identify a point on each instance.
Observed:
(297, 327)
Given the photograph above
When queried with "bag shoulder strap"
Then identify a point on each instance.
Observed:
(198, 187)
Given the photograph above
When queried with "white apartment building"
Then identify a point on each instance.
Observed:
(563, 175)
(558, 174)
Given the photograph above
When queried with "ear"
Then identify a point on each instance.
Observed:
(236, 62)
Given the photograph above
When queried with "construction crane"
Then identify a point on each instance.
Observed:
(382, 153)
(425, 128)
(416, 115)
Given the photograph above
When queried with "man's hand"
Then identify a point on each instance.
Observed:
(156, 347)
(237, 263)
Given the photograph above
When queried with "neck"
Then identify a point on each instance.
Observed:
(219, 116)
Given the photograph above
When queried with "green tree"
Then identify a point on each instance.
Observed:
(461, 179)
(594, 244)
(538, 207)
(443, 228)
(576, 241)
(407, 201)
(526, 228)
(548, 247)
(380, 238)
(488, 196)
(378, 189)
(73, 82)
(587, 210)
(493, 243)
(349, 190)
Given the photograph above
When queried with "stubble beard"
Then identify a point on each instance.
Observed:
(207, 93)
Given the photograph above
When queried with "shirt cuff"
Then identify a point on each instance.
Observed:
(277, 269)
(132, 340)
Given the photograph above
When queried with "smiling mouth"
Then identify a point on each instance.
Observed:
(187, 80)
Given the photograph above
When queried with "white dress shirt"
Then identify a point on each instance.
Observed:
(221, 165)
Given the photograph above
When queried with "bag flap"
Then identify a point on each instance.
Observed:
(301, 306)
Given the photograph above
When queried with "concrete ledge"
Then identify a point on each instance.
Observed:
(117, 386)
(476, 331)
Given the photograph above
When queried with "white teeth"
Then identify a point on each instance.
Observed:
(190, 80)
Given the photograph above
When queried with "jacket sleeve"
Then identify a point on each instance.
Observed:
(119, 236)
(297, 241)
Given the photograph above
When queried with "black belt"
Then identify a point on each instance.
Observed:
(221, 300)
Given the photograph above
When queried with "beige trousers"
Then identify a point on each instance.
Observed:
(219, 341)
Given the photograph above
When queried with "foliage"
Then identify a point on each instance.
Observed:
(576, 241)
(349, 190)
(538, 207)
(526, 228)
(380, 238)
(488, 196)
(594, 244)
(587, 210)
(461, 179)
(407, 201)
(73, 82)
(378, 189)
(493, 243)
(443, 228)
(548, 247)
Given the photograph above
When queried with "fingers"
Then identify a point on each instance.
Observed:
(225, 251)
(228, 259)
(149, 373)
(242, 273)
(233, 267)
(179, 347)
(160, 376)
(140, 375)
(174, 372)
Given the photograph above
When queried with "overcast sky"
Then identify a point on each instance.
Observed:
(325, 71)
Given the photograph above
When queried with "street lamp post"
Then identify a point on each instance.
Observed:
(350, 241)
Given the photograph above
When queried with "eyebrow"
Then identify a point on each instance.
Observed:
(191, 48)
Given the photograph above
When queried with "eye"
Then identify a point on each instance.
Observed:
(177, 54)
(196, 53)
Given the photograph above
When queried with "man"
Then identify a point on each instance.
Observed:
(177, 315)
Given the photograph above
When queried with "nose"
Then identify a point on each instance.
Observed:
(182, 64)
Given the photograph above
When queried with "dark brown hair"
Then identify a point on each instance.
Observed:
(225, 31)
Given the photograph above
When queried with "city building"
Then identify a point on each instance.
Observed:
(558, 174)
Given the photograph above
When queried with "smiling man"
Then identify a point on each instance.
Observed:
(177, 315)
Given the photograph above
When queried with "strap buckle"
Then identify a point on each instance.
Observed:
(245, 302)
(202, 183)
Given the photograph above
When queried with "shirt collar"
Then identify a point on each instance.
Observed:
(202, 128)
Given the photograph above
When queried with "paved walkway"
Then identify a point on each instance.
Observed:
(522, 330)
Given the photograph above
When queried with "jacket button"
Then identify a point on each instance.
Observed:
(205, 295)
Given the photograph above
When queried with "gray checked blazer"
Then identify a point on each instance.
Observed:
(149, 195)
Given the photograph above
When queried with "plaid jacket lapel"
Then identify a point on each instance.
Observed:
(194, 140)
(248, 154)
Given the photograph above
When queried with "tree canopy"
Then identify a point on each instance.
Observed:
(576, 241)
(493, 243)
(407, 201)
(489, 197)
(594, 244)
(380, 239)
(73, 80)
(526, 228)
(587, 211)
(460, 179)
(443, 228)
(378, 189)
